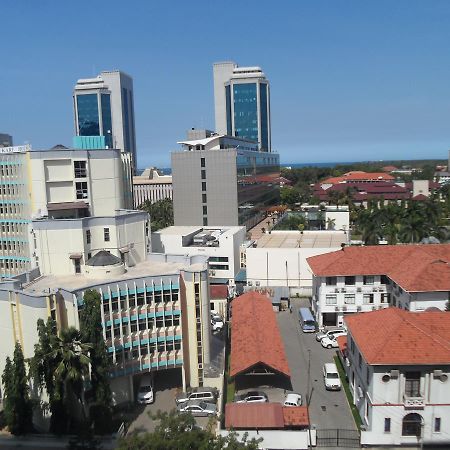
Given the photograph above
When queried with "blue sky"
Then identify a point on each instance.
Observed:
(350, 80)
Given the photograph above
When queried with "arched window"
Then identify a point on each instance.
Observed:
(411, 425)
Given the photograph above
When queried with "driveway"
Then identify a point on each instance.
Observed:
(327, 409)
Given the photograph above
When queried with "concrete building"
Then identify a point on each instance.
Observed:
(220, 244)
(223, 181)
(55, 184)
(242, 103)
(151, 186)
(362, 279)
(398, 364)
(104, 106)
(155, 315)
(279, 258)
(5, 140)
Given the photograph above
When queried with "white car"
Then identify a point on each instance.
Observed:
(325, 333)
(252, 397)
(293, 399)
(145, 392)
(331, 377)
(216, 325)
(327, 342)
(216, 317)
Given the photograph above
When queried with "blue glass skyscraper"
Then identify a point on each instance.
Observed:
(242, 103)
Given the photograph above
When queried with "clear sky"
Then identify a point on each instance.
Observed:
(350, 80)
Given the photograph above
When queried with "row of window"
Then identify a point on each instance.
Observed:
(10, 189)
(351, 280)
(139, 300)
(12, 246)
(127, 354)
(106, 235)
(13, 227)
(10, 170)
(349, 299)
(141, 325)
(12, 264)
(412, 425)
(11, 208)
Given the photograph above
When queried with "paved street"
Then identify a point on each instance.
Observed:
(328, 409)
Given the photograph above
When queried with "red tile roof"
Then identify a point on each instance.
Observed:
(218, 291)
(358, 176)
(264, 416)
(416, 268)
(255, 337)
(393, 336)
(342, 342)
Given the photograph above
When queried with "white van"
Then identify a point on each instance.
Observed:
(331, 377)
(145, 392)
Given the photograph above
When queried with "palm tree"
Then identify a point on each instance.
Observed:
(73, 365)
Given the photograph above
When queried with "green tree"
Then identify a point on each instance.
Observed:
(100, 392)
(178, 432)
(289, 196)
(42, 369)
(161, 213)
(18, 407)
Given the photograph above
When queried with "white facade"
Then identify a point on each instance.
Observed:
(220, 245)
(152, 187)
(280, 258)
(385, 399)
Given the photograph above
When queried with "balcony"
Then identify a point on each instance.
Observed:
(417, 402)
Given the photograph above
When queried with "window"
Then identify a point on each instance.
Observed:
(350, 281)
(367, 299)
(203, 174)
(106, 234)
(202, 162)
(385, 298)
(203, 198)
(387, 425)
(203, 186)
(205, 221)
(359, 360)
(79, 169)
(384, 279)
(369, 279)
(218, 258)
(349, 299)
(412, 424)
(331, 281)
(367, 376)
(219, 267)
(81, 190)
(88, 236)
(412, 384)
(330, 299)
(437, 424)
(205, 210)
(77, 263)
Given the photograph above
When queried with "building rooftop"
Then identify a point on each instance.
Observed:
(309, 239)
(393, 336)
(154, 266)
(416, 268)
(218, 291)
(358, 176)
(255, 336)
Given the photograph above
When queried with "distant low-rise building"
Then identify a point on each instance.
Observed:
(5, 140)
(398, 366)
(151, 186)
(362, 279)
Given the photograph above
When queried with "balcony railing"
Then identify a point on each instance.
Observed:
(417, 402)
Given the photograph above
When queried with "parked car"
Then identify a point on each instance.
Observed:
(328, 342)
(216, 317)
(198, 408)
(217, 325)
(331, 377)
(145, 391)
(205, 394)
(252, 397)
(324, 333)
(293, 399)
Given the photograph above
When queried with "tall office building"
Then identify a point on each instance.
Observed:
(103, 106)
(242, 103)
(5, 140)
(221, 180)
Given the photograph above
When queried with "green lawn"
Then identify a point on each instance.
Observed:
(348, 394)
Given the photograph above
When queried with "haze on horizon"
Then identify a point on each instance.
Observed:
(350, 80)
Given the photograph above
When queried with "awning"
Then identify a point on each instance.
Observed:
(67, 205)
(75, 255)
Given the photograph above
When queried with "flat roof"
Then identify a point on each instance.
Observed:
(80, 281)
(309, 239)
(183, 230)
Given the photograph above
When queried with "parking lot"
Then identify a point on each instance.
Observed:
(328, 409)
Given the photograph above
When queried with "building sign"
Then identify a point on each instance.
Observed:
(16, 149)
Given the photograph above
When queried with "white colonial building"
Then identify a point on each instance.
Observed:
(361, 279)
(398, 366)
(151, 186)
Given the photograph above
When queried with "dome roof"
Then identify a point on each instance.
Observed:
(103, 258)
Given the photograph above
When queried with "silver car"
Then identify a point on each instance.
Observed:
(197, 408)
(252, 397)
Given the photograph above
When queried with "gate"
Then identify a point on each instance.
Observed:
(335, 437)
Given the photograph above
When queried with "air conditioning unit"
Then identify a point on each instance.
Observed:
(437, 374)
(386, 377)
(336, 290)
(374, 308)
(344, 308)
(358, 308)
(358, 289)
(249, 283)
(360, 392)
(336, 308)
(395, 374)
(343, 290)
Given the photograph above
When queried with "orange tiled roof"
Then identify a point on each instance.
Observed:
(295, 416)
(358, 176)
(393, 336)
(218, 291)
(416, 268)
(342, 342)
(255, 337)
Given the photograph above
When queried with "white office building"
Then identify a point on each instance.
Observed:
(151, 186)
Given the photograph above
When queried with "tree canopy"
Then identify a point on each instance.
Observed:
(161, 213)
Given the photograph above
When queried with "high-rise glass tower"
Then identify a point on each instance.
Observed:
(103, 106)
(242, 103)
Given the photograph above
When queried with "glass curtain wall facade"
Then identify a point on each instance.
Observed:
(90, 121)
